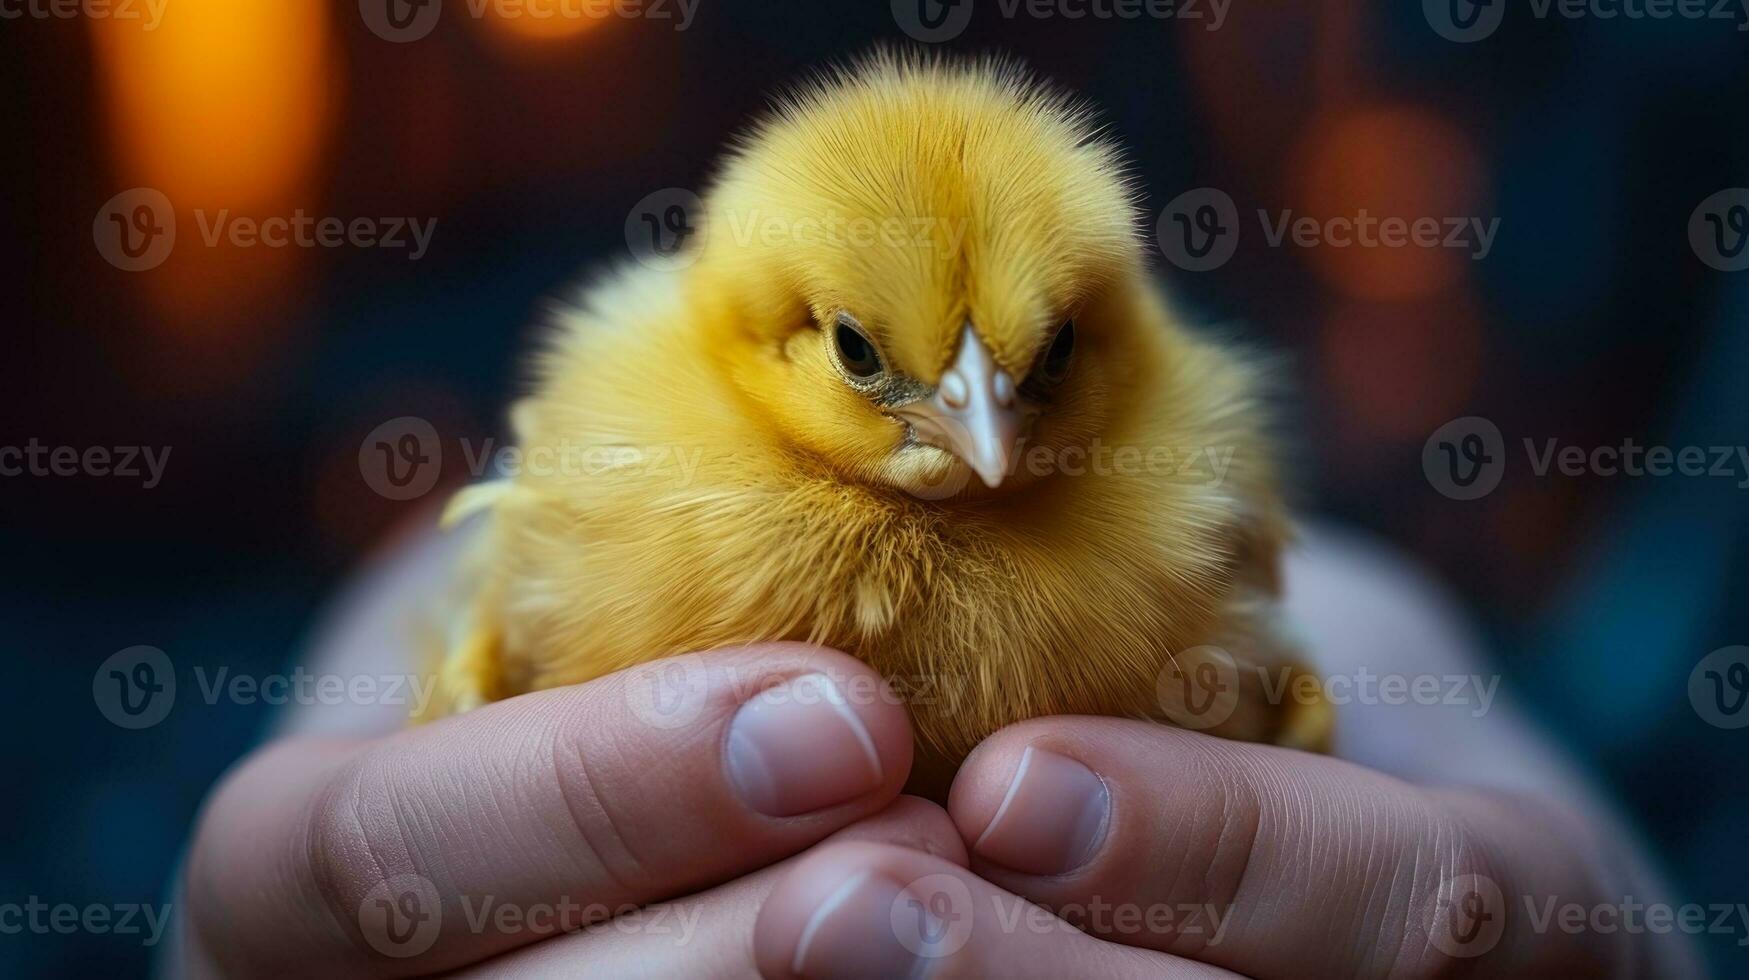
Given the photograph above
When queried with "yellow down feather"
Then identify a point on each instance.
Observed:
(696, 474)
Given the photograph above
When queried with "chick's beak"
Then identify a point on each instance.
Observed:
(975, 412)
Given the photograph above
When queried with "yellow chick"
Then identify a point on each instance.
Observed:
(916, 397)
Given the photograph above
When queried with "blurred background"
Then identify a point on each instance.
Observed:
(1594, 317)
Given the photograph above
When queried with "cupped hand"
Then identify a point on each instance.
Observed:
(1153, 846)
(646, 806)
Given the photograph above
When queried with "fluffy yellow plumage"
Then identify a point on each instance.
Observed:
(794, 436)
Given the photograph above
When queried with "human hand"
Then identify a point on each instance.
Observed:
(1165, 843)
(465, 842)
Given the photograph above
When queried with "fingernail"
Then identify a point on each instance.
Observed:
(800, 747)
(852, 933)
(1052, 818)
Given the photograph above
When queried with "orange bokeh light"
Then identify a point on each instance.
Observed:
(226, 103)
(226, 106)
(548, 19)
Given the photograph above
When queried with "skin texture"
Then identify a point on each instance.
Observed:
(561, 795)
(1319, 866)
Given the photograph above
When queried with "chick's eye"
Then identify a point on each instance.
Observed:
(1054, 367)
(856, 353)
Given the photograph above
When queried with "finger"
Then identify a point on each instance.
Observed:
(711, 934)
(870, 910)
(377, 857)
(1263, 860)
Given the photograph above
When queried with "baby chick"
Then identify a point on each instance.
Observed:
(916, 398)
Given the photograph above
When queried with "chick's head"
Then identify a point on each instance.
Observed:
(921, 268)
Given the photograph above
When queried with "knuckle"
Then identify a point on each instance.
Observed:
(1446, 853)
(1227, 817)
(590, 785)
(250, 876)
(345, 843)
